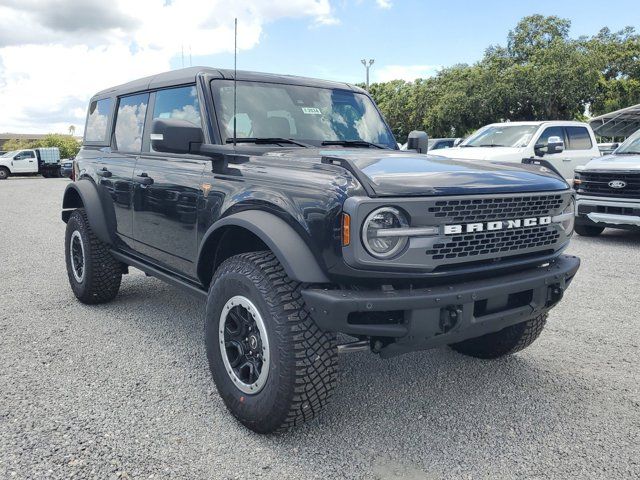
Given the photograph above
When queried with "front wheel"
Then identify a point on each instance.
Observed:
(504, 342)
(4, 173)
(272, 365)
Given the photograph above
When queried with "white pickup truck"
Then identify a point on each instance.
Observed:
(563, 145)
(45, 161)
(608, 190)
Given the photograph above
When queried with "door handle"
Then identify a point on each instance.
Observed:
(104, 173)
(144, 179)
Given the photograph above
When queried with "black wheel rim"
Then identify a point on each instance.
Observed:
(244, 344)
(76, 254)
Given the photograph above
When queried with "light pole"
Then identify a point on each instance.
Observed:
(367, 67)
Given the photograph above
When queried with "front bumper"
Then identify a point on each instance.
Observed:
(428, 317)
(608, 212)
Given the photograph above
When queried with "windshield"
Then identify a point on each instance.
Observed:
(630, 146)
(11, 153)
(501, 136)
(307, 115)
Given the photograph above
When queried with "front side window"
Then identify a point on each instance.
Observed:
(181, 103)
(308, 114)
(516, 136)
(130, 122)
(23, 155)
(631, 145)
(549, 132)
(98, 121)
(579, 138)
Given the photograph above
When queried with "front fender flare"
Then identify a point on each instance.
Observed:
(287, 245)
(98, 205)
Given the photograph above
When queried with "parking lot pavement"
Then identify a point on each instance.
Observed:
(122, 390)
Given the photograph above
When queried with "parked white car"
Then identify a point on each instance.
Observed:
(513, 141)
(608, 190)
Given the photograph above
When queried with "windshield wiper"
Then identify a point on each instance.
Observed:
(628, 152)
(351, 143)
(268, 140)
(491, 145)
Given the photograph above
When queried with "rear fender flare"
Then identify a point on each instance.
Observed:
(98, 205)
(287, 245)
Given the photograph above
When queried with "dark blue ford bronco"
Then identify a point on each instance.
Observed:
(285, 204)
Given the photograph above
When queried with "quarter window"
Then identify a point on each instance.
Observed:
(98, 121)
(579, 138)
(130, 122)
(181, 103)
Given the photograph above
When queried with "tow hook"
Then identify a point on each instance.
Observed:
(449, 317)
(556, 292)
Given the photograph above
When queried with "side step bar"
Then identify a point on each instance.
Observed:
(184, 284)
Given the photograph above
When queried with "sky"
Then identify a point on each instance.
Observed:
(54, 54)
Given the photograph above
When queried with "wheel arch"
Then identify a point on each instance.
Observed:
(97, 205)
(258, 229)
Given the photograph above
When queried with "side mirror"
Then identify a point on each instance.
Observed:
(418, 141)
(173, 135)
(614, 145)
(457, 142)
(554, 145)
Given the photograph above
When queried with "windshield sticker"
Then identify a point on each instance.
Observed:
(311, 111)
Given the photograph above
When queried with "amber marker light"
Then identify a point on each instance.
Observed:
(346, 229)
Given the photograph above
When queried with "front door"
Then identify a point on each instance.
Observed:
(25, 162)
(168, 189)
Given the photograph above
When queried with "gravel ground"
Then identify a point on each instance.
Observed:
(123, 390)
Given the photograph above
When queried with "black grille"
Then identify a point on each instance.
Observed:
(501, 208)
(597, 183)
(505, 242)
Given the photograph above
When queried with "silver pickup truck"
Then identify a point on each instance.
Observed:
(609, 190)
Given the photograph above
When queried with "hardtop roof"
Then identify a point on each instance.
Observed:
(188, 75)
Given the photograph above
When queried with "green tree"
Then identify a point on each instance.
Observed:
(69, 146)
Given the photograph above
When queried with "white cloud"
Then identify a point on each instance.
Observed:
(77, 47)
(386, 4)
(409, 73)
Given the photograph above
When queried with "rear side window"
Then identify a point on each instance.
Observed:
(98, 121)
(579, 138)
(181, 103)
(130, 122)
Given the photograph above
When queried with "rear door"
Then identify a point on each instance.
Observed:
(168, 188)
(115, 168)
(580, 147)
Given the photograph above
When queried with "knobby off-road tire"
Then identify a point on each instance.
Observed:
(505, 342)
(302, 359)
(98, 281)
(588, 230)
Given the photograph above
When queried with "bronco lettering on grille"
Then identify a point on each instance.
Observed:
(496, 225)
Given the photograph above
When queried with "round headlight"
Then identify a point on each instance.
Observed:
(571, 221)
(378, 241)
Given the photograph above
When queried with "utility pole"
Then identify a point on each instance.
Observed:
(367, 67)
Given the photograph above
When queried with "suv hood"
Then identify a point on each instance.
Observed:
(614, 162)
(398, 173)
(505, 154)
